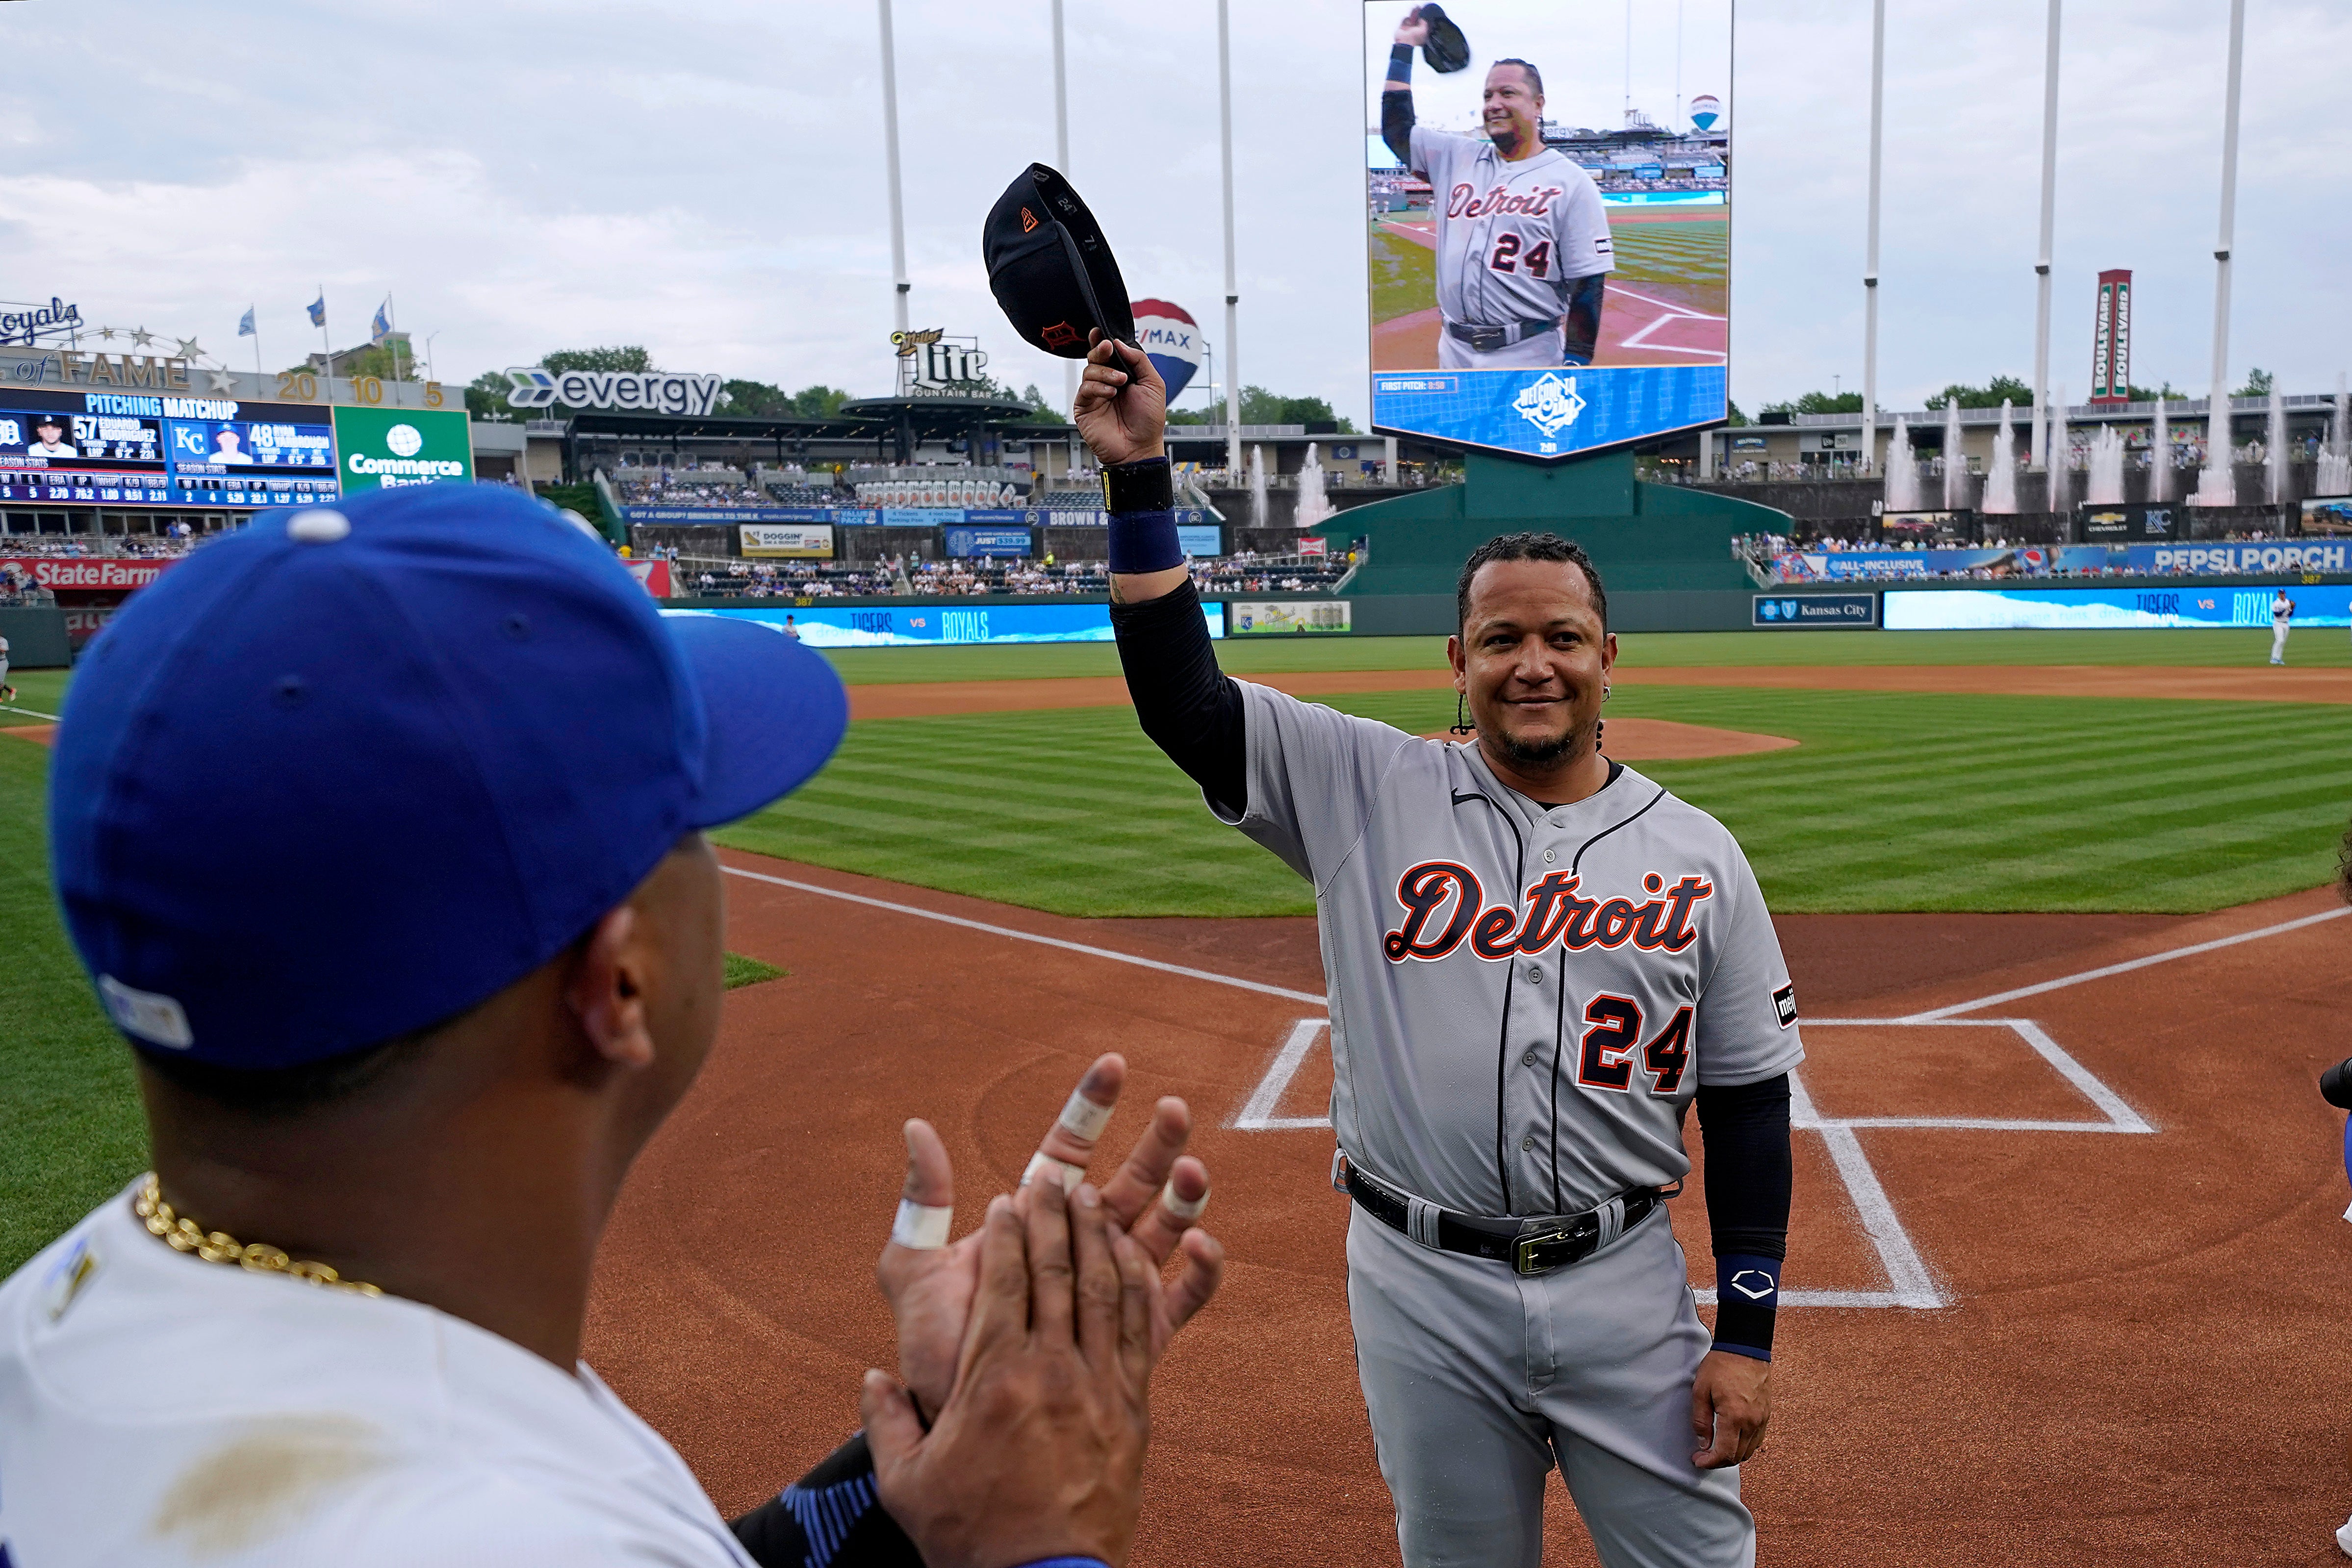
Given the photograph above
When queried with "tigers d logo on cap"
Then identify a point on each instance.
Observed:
(1050, 267)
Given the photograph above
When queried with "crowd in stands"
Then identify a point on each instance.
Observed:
(179, 541)
(907, 576)
(685, 487)
(1765, 550)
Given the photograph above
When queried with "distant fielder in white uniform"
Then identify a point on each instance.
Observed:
(1523, 244)
(2282, 622)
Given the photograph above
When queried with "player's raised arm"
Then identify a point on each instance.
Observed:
(1396, 93)
(1189, 707)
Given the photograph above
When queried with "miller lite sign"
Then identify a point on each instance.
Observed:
(931, 361)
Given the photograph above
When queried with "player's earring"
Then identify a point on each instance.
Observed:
(1461, 724)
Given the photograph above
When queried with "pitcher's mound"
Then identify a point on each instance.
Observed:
(1665, 740)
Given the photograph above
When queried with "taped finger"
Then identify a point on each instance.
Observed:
(1184, 1209)
(1082, 1118)
(922, 1228)
(1041, 1164)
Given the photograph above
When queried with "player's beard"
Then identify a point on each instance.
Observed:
(1542, 753)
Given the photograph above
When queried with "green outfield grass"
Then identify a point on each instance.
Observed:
(71, 1129)
(39, 692)
(1894, 801)
(1244, 655)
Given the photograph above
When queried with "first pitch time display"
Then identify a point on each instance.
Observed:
(1549, 223)
(113, 449)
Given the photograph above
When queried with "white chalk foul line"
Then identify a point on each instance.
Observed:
(2126, 968)
(36, 713)
(1067, 946)
(2118, 1115)
(1257, 1115)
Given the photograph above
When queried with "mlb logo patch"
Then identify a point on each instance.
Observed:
(1784, 1002)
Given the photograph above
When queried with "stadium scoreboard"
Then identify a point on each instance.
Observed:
(116, 449)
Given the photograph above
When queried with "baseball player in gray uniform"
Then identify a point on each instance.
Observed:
(1523, 244)
(1538, 962)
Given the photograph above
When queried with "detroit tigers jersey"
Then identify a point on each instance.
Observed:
(1508, 235)
(1523, 1001)
(158, 1410)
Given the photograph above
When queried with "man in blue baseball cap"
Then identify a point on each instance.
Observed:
(380, 831)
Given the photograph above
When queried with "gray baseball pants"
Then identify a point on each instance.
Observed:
(1478, 1380)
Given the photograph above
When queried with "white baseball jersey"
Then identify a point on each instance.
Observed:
(1508, 235)
(2281, 611)
(1524, 999)
(157, 1410)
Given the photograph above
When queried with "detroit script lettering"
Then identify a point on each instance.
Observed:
(1556, 912)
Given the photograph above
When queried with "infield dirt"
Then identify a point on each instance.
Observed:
(2140, 1361)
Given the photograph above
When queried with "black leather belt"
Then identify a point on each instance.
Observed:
(1486, 339)
(1532, 1245)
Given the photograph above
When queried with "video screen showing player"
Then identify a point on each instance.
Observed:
(1560, 197)
(50, 438)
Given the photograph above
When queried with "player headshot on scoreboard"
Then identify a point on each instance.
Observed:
(228, 446)
(49, 432)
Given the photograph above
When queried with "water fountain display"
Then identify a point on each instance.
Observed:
(2277, 458)
(1955, 460)
(1315, 507)
(2058, 456)
(1902, 470)
(2159, 457)
(1258, 487)
(2106, 486)
(2001, 471)
(2335, 476)
(2217, 483)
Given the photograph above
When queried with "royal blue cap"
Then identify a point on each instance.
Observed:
(349, 771)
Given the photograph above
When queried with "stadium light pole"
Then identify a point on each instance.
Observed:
(2216, 417)
(890, 154)
(1232, 293)
(1870, 256)
(1062, 163)
(2040, 457)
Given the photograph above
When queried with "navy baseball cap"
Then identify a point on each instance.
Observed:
(351, 772)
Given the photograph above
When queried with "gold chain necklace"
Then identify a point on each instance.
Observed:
(214, 1247)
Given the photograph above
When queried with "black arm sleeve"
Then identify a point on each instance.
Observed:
(1396, 124)
(1745, 1129)
(829, 1517)
(1190, 710)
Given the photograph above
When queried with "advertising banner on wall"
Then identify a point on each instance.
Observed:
(929, 625)
(85, 574)
(380, 448)
(802, 541)
(2096, 608)
(1540, 286)
(1776, 611)
(652, 575)
(963, 544)
(1271, 617)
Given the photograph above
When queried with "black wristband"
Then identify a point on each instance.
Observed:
(1146, 485)
(1401, 63)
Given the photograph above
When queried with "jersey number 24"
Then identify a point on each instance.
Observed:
(1607, 1057)
(1507, 257)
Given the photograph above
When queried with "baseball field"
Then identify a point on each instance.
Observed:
(2063, 1283)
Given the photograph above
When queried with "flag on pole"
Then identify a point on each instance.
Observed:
(244, 324)
(319, 310)
(380, 329)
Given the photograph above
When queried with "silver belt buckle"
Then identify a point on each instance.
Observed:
(1523, 1250)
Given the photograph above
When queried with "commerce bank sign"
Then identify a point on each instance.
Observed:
(653, 391)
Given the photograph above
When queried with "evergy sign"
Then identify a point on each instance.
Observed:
(654, 392)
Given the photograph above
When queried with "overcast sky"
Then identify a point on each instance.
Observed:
(536, 175)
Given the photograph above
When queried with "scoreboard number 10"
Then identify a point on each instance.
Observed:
(302, 386)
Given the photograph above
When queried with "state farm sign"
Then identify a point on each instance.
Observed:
(73, 574)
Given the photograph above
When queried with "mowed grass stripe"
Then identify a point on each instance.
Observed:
(1894, 801)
